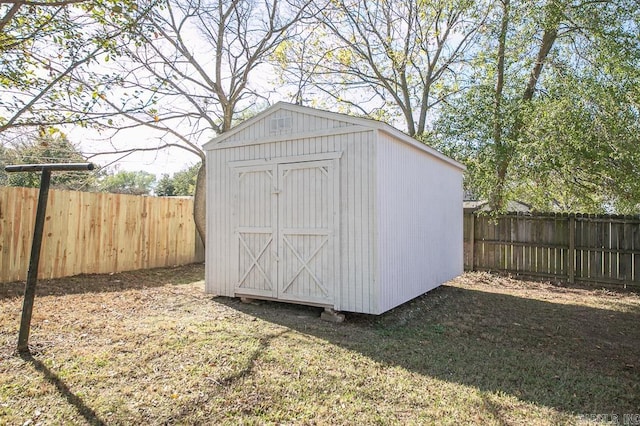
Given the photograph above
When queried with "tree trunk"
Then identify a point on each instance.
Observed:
(496, 199)
(548, 39)
(199, 202)
(504, 146)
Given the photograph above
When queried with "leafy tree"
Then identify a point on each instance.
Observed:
(3, 162)
(125, 182)
(552, 116)
(539, 97)
(583, 144)
(165, 187)
(44, 46)
(184, 181)
(49, 146)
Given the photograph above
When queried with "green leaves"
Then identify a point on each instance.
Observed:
(570, 143)
(49, 146)
(128, 182)
(165, 187)
(44, 49)
(184, 181)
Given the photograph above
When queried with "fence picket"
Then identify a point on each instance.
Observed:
(635, 264)
(94, 233)
(602, 249)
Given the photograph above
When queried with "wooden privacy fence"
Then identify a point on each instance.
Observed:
(88, 233)
(603, 249)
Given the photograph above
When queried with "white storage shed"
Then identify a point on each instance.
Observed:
(319, 208)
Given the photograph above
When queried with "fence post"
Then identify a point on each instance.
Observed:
(472, 240)
(571, 255)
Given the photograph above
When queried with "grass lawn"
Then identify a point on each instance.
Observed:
(149, 347)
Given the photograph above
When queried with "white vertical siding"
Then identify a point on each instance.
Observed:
(419, 208)
(300, 123)
(357, 186)
(256, 231)
(221, 197)
(398, 219)
(356, 194)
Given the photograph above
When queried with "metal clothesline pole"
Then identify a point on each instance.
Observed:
(34, 260)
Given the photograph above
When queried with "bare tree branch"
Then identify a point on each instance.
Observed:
(396, 50)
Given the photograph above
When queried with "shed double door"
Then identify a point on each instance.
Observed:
(286, 234)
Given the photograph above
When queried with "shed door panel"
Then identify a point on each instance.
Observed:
(306, 231)
(256, 232)
(286, 230)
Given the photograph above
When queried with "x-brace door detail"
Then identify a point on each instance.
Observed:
(305, 267)
(256, 232)
(307, 211)
(287, 230)
(255, 261)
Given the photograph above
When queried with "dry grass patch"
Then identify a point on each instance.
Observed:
(149, 347)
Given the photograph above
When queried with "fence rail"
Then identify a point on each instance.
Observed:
(95, 233)
(602, 249)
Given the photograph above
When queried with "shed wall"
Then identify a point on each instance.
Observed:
(356, 209)
(420, 234)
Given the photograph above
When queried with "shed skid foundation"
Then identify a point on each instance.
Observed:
(332, 316)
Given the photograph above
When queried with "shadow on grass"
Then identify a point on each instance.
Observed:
(570, 357)
(264, 343)
(100, 283)
(83, 409)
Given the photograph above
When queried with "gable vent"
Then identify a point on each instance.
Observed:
(280, 125)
